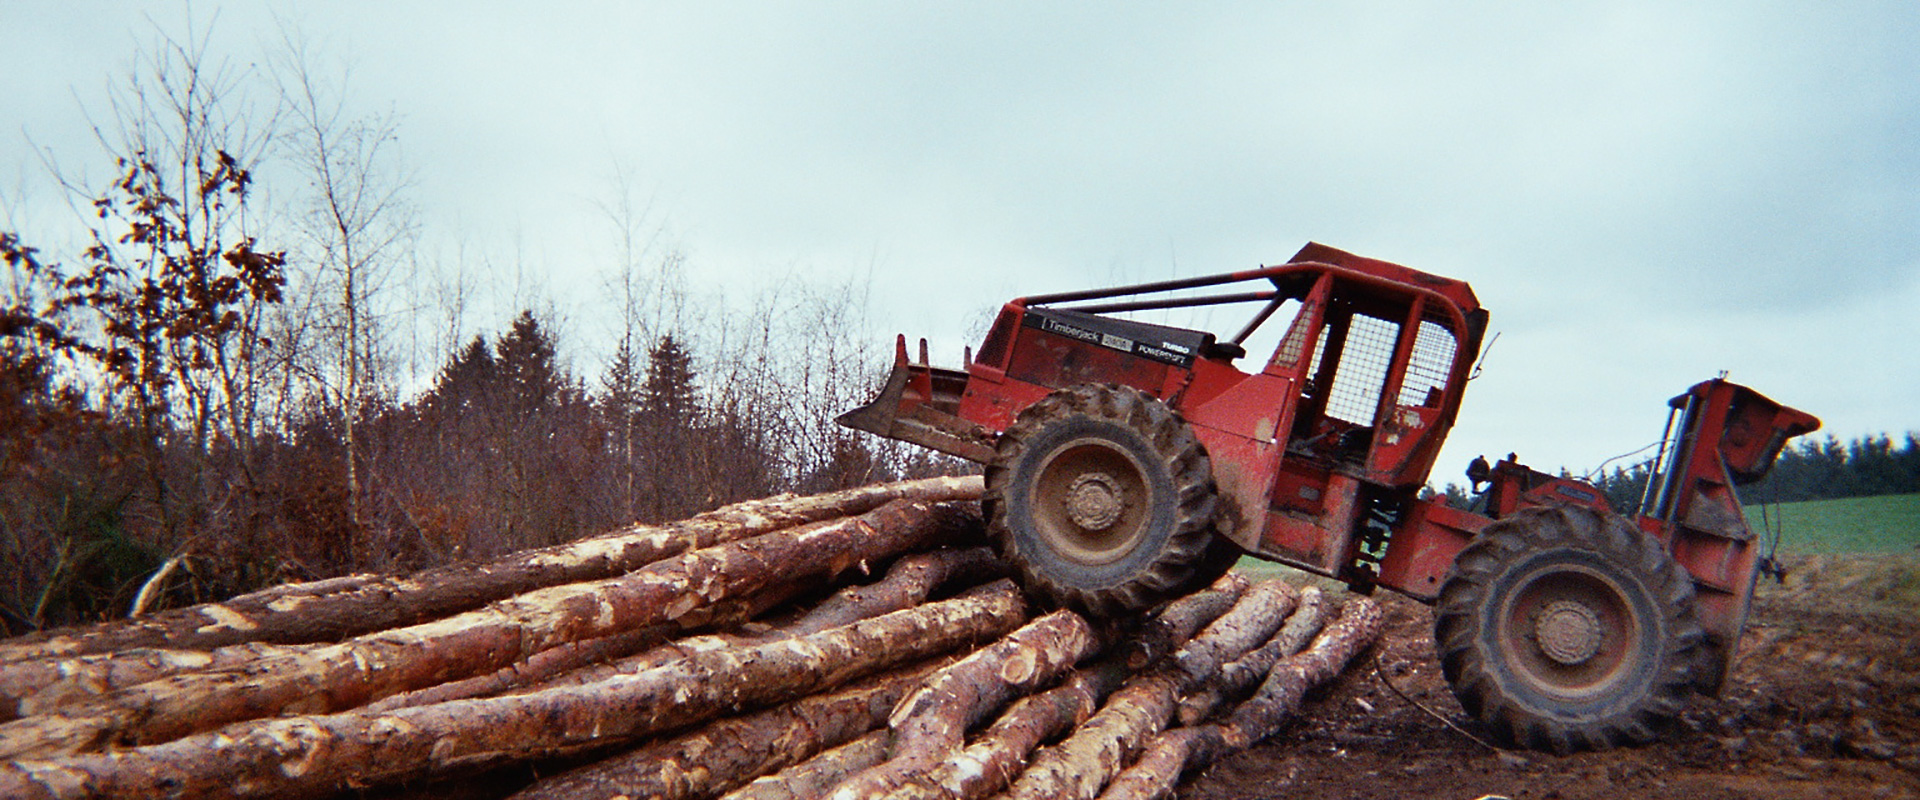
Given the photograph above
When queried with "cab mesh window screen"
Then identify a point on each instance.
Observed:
(1427, 370)
(1363, 369)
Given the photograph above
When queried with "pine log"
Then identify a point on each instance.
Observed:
(816, 776)
(932, 723)
(1241, 676)
(727, 754)
(1173, 753)
(1279, 697)
(325, 678)
(574, 657)
(999, 753)
(1097, 750)
(1094, 753)
(1258, 614)
(316, 755)
(907, 583)
(1179, 620)
(41, 687)
(336, 608)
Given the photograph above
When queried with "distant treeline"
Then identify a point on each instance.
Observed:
(1811, 469)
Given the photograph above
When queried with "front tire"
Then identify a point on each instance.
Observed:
(1566, 628)
(1104, 502)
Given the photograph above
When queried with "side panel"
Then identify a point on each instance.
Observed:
(1323, 543)
(993, 401)
(1423, 548)
(1050, 359)
(1242, 429)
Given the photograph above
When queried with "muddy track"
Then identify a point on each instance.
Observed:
(1824, 702)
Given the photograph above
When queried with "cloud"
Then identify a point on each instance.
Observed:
(1643, 193)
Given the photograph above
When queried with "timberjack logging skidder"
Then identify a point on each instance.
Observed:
(1127, 462)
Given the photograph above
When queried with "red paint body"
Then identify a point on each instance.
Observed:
(1320, 450)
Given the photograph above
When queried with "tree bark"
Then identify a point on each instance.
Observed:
(816, 776)
(932, 723)
(1000, 752)
(727, 754)
(332, 677)
(1181, 619)
(1176, 752)
(1244, 674)
(1097, 750)
(1258, 614)
(1279, 697)
(336, 608)
(310, 756)
(1172, 754)
(28, 688)
(544, 667)
(908, 582)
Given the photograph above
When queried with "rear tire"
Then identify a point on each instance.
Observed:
(1566, 629)
(1104, 502)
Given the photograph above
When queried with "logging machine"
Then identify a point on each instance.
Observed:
(1129, 462)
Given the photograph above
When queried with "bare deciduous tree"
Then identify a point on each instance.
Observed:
(355, 226)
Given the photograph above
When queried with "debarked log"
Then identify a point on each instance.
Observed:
(1179, 620)
(1176, 752)
(727, 754)
(908, 582)
(1279, 696)
(316, 755)
(334, 609)
(1259, 613)
(995, 757)
(317, 679)
(814, 777)
(1081, 765)
(932, 722)
(1243, 675)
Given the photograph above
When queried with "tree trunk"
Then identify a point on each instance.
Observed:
(1000, 752)
(1259, 613)
(1160, 766)
(1097, 750)
(334, 609)
(908, 582)
(932, 723)
(814, 777)
(1181, 619)
(1179, 751)
(729, 753)
(310, 756)
(28, 688)
(542, 668)
(1244, 674)
(1279, 697)
(325, 678)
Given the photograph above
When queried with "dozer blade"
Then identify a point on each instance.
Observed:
(919, 405)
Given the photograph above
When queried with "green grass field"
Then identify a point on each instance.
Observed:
(1885, 524)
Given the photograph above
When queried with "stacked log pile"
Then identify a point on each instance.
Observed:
(860, 644)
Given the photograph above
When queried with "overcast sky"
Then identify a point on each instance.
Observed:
(1644, 194)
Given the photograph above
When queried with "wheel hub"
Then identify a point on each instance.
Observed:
(1568, 632)
(1094, 501)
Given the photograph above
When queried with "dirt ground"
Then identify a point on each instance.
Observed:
(1823, 702)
